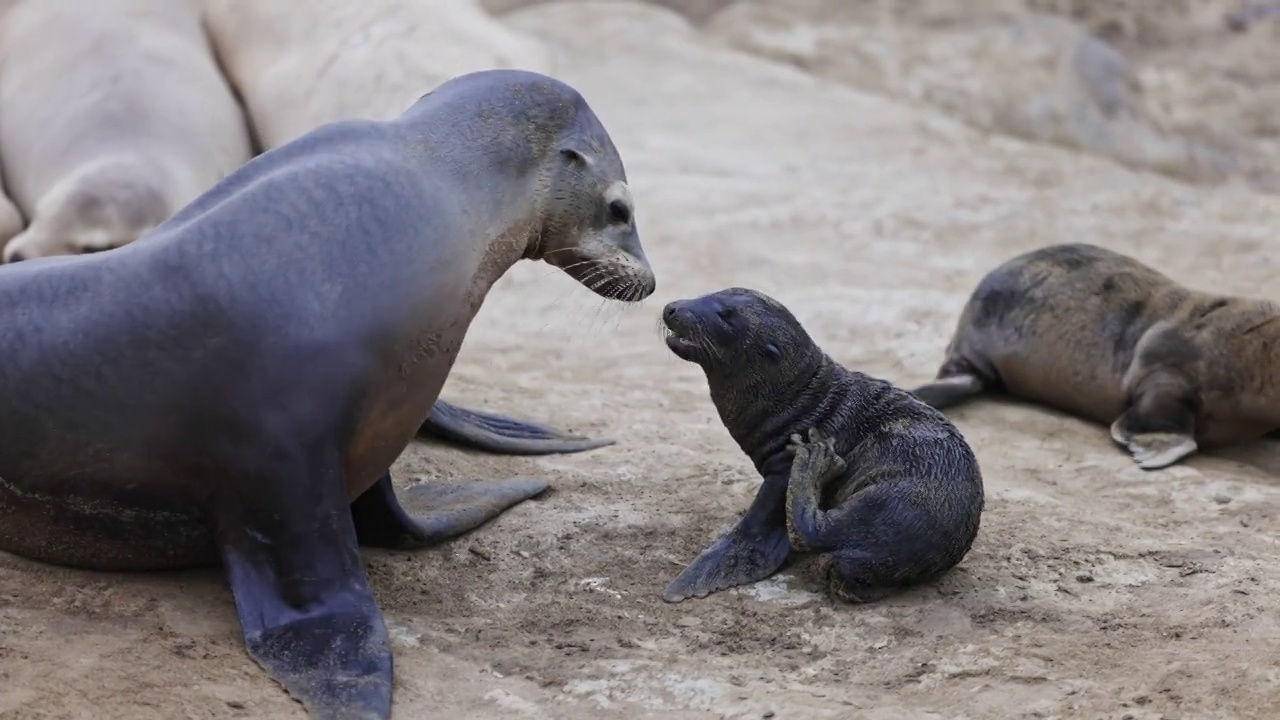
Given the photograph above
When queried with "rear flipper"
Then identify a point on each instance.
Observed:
(434, 511)
(956, 382)
(816, 464)
(502, 434)
(1159, 428)
(304, 603)
(872, 544)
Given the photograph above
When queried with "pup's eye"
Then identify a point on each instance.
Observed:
(772, 352)
(726, 313)
(619, 212)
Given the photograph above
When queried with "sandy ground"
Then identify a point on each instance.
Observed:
(1094, 590)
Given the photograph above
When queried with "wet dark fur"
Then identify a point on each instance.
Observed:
(1105, 337)
(906, 506)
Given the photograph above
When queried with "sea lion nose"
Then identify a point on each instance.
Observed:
(15, 256)
(669, 311)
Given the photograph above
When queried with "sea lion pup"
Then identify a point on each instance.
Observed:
(882, 485)
(1101, 336)
(245, 374)
(115, 116)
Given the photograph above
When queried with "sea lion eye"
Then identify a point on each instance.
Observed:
(619, 212)
(726, 313)
(772, 352)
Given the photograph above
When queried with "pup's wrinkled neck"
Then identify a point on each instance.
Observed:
(760, 407)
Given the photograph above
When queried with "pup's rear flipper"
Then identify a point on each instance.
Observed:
(502, 434)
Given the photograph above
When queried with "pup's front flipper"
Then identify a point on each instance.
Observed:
(754, 549)
(740, 557)
(501, 434)
(434, 511)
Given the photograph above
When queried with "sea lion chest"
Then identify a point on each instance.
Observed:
(413, 363)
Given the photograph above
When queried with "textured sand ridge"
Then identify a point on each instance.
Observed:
(1095, 590)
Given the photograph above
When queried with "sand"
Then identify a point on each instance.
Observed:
(1094, 590)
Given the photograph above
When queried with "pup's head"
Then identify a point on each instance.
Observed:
(738, 332)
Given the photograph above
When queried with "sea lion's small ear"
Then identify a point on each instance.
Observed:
(573, 155)
(772, 352)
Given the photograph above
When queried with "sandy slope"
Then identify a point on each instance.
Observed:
(1094, 590)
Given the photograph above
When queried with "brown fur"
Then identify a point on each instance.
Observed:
(1105, 337)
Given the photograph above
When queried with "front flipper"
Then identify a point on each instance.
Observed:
(502, 434)
(434, 511)
(304, 603)
(740, 557)
(753, 550)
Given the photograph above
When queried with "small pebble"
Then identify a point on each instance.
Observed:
(1084, 578)
(768, 714)
(1222, 499)
(235, 704)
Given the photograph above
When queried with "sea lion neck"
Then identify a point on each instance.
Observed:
(760, 408)
(520, 123)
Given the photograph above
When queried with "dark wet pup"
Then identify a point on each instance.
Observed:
(881, 485)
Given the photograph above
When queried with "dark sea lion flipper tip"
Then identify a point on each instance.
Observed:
(944, 392)
(502, 434)
(436, 510)
(445, 510)
(738, 558)
(310, 620)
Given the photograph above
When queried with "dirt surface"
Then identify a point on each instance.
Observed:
(1095, 590)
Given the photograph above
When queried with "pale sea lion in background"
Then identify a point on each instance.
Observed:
(881, 485)
(113, 115)
(300, 63)
(313, 303)
(1102, 336)
(11, 222)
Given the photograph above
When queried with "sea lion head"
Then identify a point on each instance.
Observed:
(89, 213)
(589, 228)
(739, 334)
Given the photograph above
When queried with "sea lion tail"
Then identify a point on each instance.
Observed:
(501, 434)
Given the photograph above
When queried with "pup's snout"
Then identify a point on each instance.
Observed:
(669, 312)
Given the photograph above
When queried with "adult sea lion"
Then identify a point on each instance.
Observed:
(115, 116)
(882, 485)
(1104, 337)
(302, 63)
(237, 383)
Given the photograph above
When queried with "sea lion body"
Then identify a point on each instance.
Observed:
(115, 116)
(1104, 337)
(365, 59)
(237, 383)
(882, 486)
